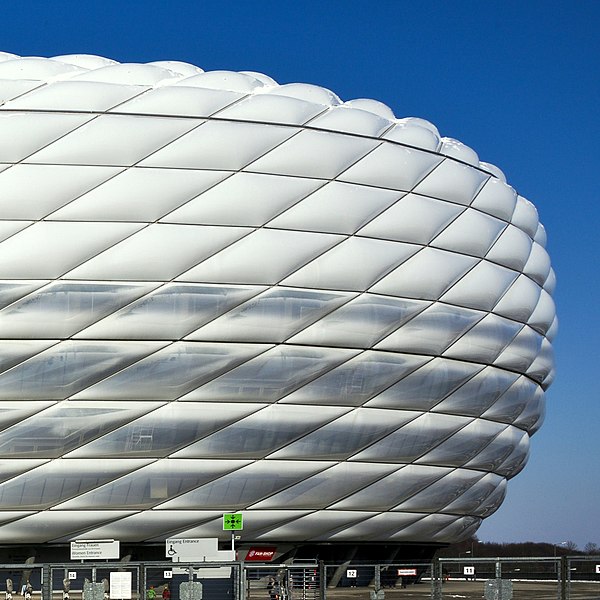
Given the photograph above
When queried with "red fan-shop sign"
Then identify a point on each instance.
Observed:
(261, 554)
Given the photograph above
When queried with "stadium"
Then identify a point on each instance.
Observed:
(221, 294)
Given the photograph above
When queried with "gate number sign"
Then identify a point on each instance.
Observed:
(351, 573)
(469, 571)
(598, 569)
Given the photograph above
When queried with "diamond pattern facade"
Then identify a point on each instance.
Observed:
(218, 293)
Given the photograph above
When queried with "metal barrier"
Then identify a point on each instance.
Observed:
(517, 578)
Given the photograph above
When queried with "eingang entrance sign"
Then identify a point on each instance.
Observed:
(94, 549)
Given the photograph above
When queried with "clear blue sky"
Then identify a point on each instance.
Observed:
(518, 81)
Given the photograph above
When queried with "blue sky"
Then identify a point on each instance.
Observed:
(517, 81)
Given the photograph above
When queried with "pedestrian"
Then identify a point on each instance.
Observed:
(166, 593)
(151, 593)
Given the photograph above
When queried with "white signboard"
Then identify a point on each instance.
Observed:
(168, 574)
(407, 572)
(196, 549)
(469, 570)
(120, 585)
(598, 569)
(351, 573)
(94, 549)
(72, 574)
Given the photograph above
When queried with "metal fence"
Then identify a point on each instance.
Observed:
(517, 578)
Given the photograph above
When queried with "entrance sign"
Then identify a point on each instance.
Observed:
(196, 550)
(94, 549)
(407, 572)
(233, 522)
(120, 585)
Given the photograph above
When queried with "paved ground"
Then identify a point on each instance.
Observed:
(472, 590)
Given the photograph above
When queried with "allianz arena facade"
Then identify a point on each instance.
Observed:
(222, 294)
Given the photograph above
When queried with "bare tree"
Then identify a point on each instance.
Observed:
(571, 546)
(591, 548)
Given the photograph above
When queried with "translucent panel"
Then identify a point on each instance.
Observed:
(415, 219)
(357, 380)
(498, 450)
(538, 264)
(82, 96)
(113, 140)
(143, 526)
(21, 134)
(271, 317)
(493, 169)
(496, 198)
(336, 208)
(15, 411)
(413, 135)
(64, 426)
(512, 249)
(26, 255)
(165, 430)
(272, 109)
(458, 150)
(39, 528)
(170, 313)
(478, 394)
(525, 216)
(180, 101)
(470, 501)
(262, 432)
(346, 435)
(32, 67)
(220, 145)
(522, 351)
(392, 166)
(532, 417)
(427, 386)
(10, 89)
(150, 485)
(224, 80)
(512, 403)
(69, 367)
(128, 74)
(453, 181)
(541, 237)
(59, 480)
(178, 67)
(61, 309)
(485, 341)
(272, 375)
(426, 275)
(319, 525)
(34, 191)
(544, 314)
(517, 460)
(11, 468)
(431, 331)
(550, 283)
(249, 199)
(361, 322)
(391, 490)
(171, 372)
(247, 485)
(464, 445)
(376, 528)
(10, 291)
(314, 154)
(85, 61)
(329, 486)
(355, 264)
(307, 92)
(493, 501)
(158, 252)
(471, 233)
(441, 492)
(414, 439)
(520, 300)
(264, 257)
(481, 287)
(352, 120)
(424, 529)
(542, 368)
(462, 528)
(9, 228)
(139, 195)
